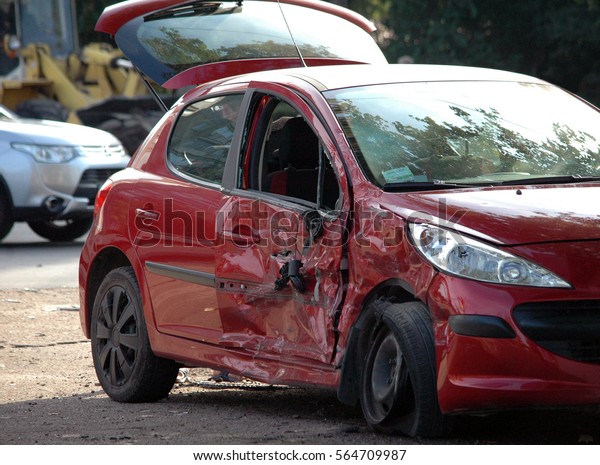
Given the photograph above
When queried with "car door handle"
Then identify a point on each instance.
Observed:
(146, 214)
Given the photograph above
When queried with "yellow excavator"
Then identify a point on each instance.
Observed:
(45, 74)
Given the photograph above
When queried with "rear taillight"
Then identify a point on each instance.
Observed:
(101, 196)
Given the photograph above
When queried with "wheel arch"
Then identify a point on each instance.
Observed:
(4, 190)
(393, 290)
(7, 209)
(107, 260)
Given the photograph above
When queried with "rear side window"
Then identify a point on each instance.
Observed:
(202, 136)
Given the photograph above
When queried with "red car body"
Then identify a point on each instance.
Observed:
(209, 258)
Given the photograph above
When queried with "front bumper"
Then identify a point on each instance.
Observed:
(501, 347)
(46, 202)
(56, 191)
(65, 207)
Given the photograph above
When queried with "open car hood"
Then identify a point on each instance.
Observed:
(179, 43)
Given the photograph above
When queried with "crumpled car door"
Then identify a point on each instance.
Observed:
(278, 288)
(280, 265)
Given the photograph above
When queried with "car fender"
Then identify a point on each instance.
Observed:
(357, 342)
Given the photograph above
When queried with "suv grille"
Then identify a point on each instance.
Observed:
(91, 151)
(570, 329)
(91, 181)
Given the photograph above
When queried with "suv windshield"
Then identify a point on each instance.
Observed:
(468, 132)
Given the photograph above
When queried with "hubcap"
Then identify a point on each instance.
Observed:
(384, 377)
(116, 336)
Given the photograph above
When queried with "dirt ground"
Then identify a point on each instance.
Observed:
(49, 395)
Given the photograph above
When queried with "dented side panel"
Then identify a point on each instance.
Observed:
(379, 254)
(259, 239)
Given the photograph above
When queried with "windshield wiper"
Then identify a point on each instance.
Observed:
(549, 180)
(439, 185)
(198, 7)
(428, 186)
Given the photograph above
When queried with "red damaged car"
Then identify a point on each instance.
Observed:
(423, 239)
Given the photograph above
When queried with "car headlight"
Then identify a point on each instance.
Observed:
(48, 153)
(462, 256)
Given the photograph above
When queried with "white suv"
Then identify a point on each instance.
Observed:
(50, 173)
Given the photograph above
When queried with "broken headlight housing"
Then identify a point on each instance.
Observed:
(462, 256)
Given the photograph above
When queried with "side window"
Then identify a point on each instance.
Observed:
(202, 136)
(291, 161)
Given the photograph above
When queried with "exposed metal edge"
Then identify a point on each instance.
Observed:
(182, 274)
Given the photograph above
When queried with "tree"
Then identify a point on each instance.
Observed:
(87, 16)
(556, 40)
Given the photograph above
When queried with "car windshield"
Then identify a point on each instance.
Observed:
(423, 134)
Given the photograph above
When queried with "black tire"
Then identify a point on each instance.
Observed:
(61, 230)
(130, 132)
(125, 365)
(42, 108)
(6, 215)
(398, 384)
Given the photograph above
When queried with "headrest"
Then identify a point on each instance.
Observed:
(299, 146)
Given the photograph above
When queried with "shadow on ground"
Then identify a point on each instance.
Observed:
(262, 415)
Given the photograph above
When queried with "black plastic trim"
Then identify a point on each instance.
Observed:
(560, 320)
(41, 214)
(182, 274)
(570, 329)
(481, 326)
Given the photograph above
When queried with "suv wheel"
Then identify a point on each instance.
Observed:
(6, 216)
(42, 108)
(61, 230)
(130, 132)
(125, 365)
(398, 386)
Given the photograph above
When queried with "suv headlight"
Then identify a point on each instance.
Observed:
(48, 153)
(458, 255)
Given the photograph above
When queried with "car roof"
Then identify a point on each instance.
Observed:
(345, 76)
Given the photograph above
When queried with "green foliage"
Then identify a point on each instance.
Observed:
(556, 40)
(87, 16)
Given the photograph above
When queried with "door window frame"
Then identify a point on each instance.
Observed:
(260, 107)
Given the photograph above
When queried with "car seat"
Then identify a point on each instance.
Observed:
(299, 158)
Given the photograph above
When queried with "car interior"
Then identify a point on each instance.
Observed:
(293, 162)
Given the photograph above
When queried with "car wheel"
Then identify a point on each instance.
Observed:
(6, 216)
(61, 230)
(42, 108)
(125, 365)
(398, 384)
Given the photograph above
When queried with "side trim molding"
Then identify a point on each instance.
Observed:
(182, 274)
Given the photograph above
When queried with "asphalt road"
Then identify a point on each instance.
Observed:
(29, 261)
